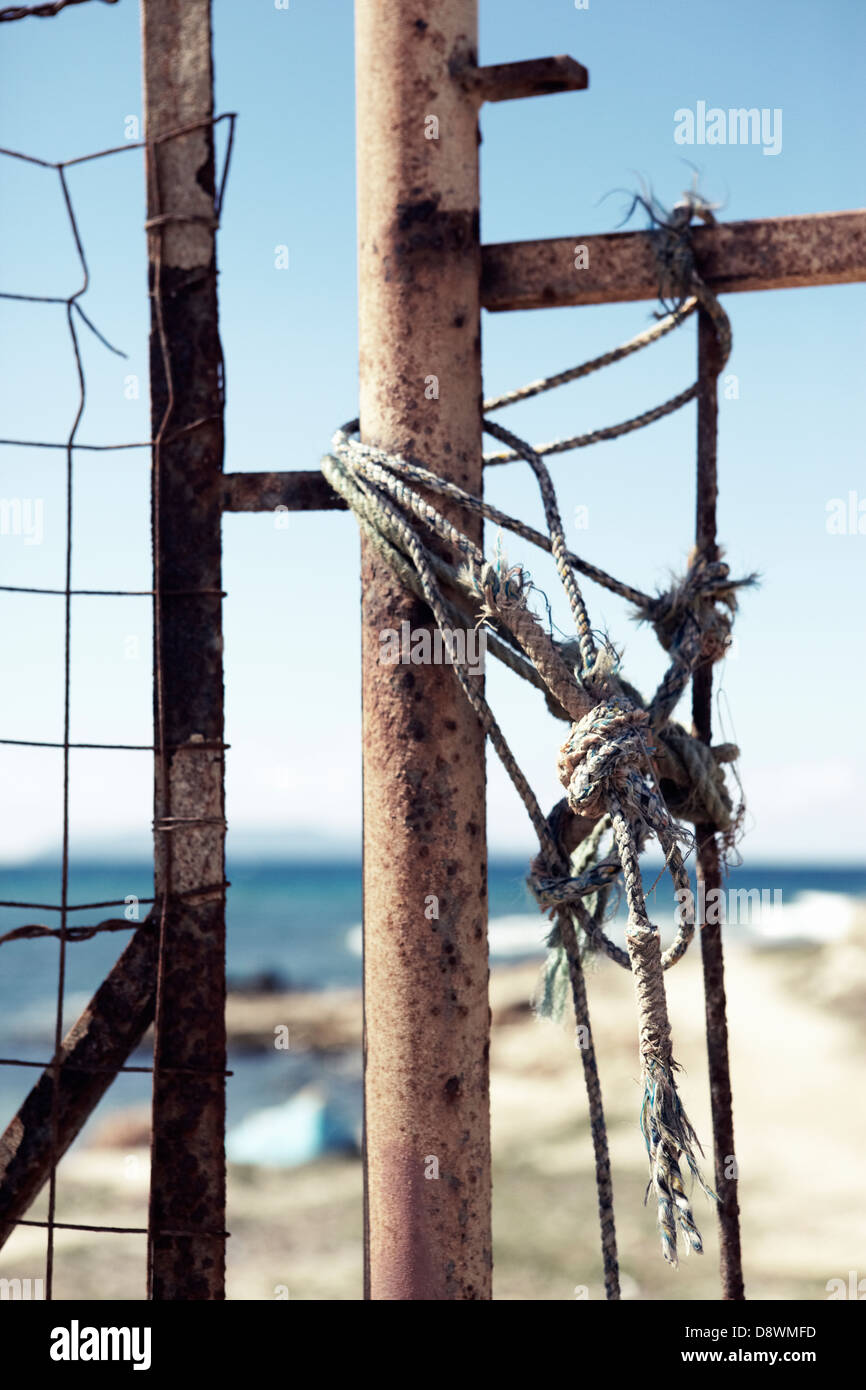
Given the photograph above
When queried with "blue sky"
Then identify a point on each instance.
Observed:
(789, 444)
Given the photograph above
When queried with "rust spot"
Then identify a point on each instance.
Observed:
(410, 213)
(452, 1089)
(422, 227)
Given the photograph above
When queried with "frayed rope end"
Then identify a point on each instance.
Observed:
(669, 1137)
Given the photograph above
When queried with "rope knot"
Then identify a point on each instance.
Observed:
(601, 755)
(497, 583)
(693, 781)
(676, 269)
(693, 619)
(674, 253)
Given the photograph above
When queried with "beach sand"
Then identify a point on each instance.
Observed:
(797, 1055)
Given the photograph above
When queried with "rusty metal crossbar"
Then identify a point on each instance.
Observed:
(732, 258)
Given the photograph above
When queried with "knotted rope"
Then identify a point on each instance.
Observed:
(619, 751)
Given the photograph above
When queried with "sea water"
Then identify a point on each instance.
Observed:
(298, 926)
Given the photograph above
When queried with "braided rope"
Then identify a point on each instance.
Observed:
(350, 451)
(640, 340)
(582, 441)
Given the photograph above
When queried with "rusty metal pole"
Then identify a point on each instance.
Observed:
(188, 1158)
(427, 1189)
(709, 867)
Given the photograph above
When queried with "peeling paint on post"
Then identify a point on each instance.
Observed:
(427, 1193)
(188, 1158)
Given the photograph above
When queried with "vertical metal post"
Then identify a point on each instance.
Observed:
(427, 1193)
(188, 1160)
(709, 868)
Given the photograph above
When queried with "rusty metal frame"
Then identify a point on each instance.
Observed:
(187, 1191)
(426, 1079)
(93, 1052)
(97, 1047)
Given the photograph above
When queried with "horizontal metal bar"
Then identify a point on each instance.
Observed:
(265, 492)
(768, 254)
(534, 77)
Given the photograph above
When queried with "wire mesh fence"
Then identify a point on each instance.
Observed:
(54, 1111)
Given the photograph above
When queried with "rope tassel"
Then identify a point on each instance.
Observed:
(666, 1128)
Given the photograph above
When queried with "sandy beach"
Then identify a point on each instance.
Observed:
(797, 1044)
